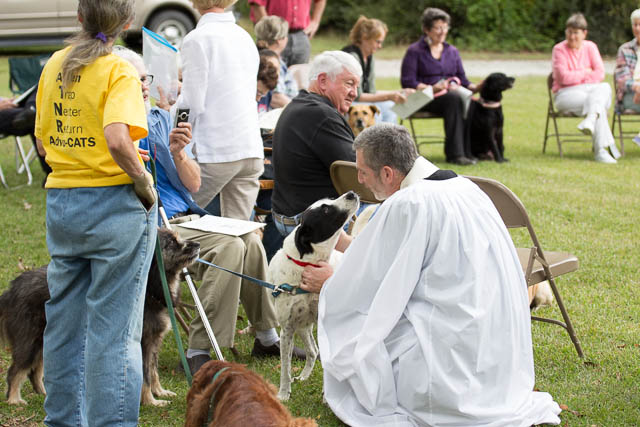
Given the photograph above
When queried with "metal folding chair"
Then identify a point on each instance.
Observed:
(538, 265)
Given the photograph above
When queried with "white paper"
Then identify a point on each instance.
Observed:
(269, 119)
(414, 102)
(218, 224)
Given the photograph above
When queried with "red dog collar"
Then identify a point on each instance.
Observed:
(302, 263)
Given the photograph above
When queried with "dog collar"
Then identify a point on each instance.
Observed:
(486, 104)
(302, 263)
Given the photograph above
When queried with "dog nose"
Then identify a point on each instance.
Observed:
(350, 195)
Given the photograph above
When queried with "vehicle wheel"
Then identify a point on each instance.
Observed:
(173, 25)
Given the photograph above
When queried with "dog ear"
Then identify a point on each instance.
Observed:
(350, 108)
(374, 109)
(303, 240)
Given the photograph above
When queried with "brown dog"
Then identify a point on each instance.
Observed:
(235, 397)
(362, 116)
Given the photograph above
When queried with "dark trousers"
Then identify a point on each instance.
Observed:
(451, 107)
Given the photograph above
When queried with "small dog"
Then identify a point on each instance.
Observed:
(312, 241)
(228, 394)
(22, 320)
(485, 119)
(362, 116)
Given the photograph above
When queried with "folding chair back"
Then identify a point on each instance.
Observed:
(344, 177)
(621, 115)
(537, 265)
(425, 138)
(554, 115)
(24, 71)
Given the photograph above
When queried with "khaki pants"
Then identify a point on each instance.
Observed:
(220, 291)
(237, 183)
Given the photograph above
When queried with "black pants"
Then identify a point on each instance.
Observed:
(451, 107)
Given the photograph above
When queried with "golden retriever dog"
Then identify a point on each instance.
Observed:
(230, 395)
(362, 116)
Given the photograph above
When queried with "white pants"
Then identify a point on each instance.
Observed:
(589, 98)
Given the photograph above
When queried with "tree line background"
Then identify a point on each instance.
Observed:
(494, 25)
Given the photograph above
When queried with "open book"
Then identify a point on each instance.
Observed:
(414, 102)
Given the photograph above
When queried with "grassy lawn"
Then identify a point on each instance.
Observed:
(576, 205)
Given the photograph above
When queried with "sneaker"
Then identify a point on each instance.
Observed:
(260, 350)
(603, 156)
(614, 151)
(636, 139)
(587, 126)
(196, 362)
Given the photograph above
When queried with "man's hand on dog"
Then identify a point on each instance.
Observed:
(178, 139)
(314, 277)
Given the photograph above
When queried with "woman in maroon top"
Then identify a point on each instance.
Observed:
(432, 62)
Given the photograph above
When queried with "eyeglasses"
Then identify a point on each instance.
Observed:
(440, 29)
(148, 79)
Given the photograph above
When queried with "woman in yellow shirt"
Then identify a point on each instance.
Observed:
(100, 228)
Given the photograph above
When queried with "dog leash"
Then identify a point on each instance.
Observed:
(213, 395)
(277, 289)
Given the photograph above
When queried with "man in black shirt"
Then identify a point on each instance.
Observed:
(312, 133)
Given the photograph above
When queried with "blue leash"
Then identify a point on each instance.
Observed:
(277, 289)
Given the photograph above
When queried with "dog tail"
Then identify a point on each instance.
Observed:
(4, 309)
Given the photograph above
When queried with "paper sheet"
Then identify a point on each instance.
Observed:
(414, 102)
(269, 119)
(217, 224)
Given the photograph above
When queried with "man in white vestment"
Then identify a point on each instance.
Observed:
(425, 322)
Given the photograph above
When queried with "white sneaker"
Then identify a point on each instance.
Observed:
(602, 156)
(636, 139)
(587, 126)
(614, 151)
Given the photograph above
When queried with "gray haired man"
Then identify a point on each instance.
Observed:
(312, 133)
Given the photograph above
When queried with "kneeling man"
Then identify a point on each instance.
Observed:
(426, 319)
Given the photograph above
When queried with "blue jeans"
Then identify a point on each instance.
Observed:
(101, 241)
(283, 229)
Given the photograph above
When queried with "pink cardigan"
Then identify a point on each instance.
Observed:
(569, 65)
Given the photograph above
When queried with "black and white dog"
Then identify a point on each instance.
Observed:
(485, 119)
(22, 320)
(312, 241)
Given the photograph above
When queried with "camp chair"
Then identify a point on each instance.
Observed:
(554, 115)
(621, 115)
(344, 177)
(538, 265)
(24, 73)
(427, 138)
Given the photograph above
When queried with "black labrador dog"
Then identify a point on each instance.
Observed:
(485, 120)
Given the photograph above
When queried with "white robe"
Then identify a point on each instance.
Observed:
(426, 320)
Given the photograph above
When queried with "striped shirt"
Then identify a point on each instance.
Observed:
(625, 65)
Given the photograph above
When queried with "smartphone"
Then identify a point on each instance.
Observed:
(182, 115)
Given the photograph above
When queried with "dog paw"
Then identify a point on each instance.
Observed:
(16, 401)
(283, 396)
(164, 393)
(158, 403)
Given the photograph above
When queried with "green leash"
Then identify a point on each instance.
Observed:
(167, 294)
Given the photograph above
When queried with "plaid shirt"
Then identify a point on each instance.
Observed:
(625, 65)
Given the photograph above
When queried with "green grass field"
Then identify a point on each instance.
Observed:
(576, 205)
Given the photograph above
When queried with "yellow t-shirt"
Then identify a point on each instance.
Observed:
(71, 122)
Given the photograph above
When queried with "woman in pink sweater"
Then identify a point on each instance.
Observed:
(578, 88)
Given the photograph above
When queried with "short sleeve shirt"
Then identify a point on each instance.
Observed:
(70, 121)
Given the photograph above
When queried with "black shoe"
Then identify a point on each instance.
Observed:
(260, 350)
(462, 161)
(196, 362)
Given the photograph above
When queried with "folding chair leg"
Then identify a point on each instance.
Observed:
(4, 181)
(413, 132)
(25, 160)
(546, 133)
(620, 133)
(567, 320)
(555, 125)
